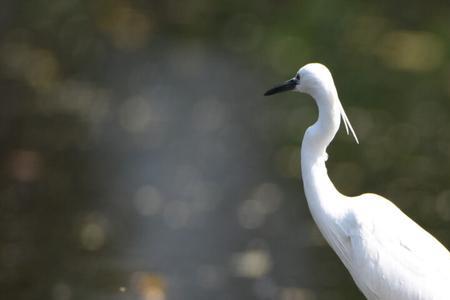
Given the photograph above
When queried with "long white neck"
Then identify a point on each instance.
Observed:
(323, 198)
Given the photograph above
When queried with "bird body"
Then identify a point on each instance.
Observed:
(388, 255)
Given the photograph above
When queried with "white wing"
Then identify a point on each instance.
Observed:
(392, 257)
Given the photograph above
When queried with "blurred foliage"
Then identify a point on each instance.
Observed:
(140, 160)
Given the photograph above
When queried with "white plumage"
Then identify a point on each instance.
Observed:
(388, 255)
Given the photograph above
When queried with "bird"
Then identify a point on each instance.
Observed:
(388, 255)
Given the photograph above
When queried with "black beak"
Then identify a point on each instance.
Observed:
(287, 86)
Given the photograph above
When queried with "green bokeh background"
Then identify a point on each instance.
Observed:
(140, 160)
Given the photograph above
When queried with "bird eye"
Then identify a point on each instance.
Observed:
(297, 77)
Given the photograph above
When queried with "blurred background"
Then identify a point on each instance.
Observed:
(141, 161)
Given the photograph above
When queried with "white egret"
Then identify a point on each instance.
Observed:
(388, 255)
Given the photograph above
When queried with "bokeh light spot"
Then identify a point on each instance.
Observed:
(93, 232)
(149, 286)
(126, 26)
(25, 165)
(295, 293)
(411, 50)
(38, 67)
(253, 263)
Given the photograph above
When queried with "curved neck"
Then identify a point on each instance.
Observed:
(319, 136)
(320, 191)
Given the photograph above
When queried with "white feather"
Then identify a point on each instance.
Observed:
(388, 255)
(347, 122)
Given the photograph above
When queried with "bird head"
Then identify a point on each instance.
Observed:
(315, 79)
(310, 79)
